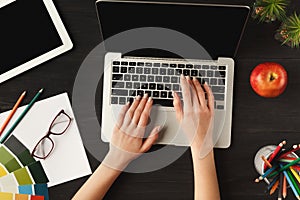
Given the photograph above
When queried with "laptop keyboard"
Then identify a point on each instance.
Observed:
(159, 79)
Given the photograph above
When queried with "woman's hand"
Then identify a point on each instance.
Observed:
(128, 140)
(196, 115)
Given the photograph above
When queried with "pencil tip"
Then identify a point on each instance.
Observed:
(41, 90)
(283, 142)
(256, 180)
(24, 93)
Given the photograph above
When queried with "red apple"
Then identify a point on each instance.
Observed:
(268, 79)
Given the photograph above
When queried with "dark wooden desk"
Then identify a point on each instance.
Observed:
(256, 121)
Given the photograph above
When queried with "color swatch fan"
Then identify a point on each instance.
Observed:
(21, 176)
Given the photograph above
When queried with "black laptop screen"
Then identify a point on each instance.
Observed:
(217, 28)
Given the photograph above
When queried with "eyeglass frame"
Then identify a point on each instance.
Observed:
(49, 133)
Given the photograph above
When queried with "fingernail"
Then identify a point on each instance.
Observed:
(181, 76)
(138, 97)
(150, 99)
(187, 77)
(128, 102)
(194, 79)
(158, 128)
(146, 95)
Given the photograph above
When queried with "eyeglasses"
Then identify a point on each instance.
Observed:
(59, 126)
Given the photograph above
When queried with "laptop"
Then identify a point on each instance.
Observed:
(149, 44)
(32, 32)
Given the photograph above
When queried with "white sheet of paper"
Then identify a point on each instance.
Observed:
(68, 160)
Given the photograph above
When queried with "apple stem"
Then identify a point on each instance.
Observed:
(273, 76)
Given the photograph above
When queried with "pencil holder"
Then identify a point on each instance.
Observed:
(266, 151)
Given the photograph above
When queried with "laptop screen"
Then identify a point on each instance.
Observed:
(217, 28)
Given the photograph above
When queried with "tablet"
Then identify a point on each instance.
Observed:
(32, 32)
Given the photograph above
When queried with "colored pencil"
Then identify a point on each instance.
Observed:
(279, 197)
(295, 148)
(264, 175)
(270, 186)
(291, 184)
(21, 116)
(284, 188)
(275, 152)
(295, 174)
(266, 161)
(12, 112)
(284, 167)
(274, 187)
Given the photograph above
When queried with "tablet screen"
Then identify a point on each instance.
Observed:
(27, 32)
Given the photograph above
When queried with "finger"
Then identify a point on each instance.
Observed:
(150, 140)
(210, 97)
(130, 112)
(146, 113)
(200, 92)
(194, 94)
(177, 106)
(139, 110)
(122, 114)
(185, 93)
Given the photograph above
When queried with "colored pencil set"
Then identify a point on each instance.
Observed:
(281, 170)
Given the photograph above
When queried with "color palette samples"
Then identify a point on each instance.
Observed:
(12, 196)
(20, 173)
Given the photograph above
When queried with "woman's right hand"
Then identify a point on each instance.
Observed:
(196, 114)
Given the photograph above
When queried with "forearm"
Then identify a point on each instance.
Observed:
(205, 177)
(98, 184)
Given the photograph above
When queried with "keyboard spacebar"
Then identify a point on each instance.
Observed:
(163, 102)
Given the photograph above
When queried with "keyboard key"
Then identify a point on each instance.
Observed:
(128, 85)
(148, 64)
(170, 95)
(132, 63)
(218, 89)
(119, 92)
(174, 79)
(170, 71)
(116, 62)
(166, 79)
(150, 78)
(154, 70)
(178, 71)
(163, 102)
(114, 100)
(148, 92)
(152, 86)
(189, 66)
(220, 74)
(132, 93)
(117, 84)
(197, 66)
(194, 73)
(124, 63)
(158, 79)
(163, 94)
(205, 80)
(202, 73)
(222, 67)
(122, 100)
(143, 78)
(140, 92)
(144, 86)
(173, 65)
(135, 77)
(156, 64)
(117, 77)
(165, 65)
(139, 70)
(181, 65)
(205, 67)
(213, 81)
(160, 86)
(210, 73)
(127, 77)
(221, 81)
(123, 69)
(115, 69)
(155, 93)
(130, 99)
(131, 70)
(140, 64)
(136, 85)
(186, 72)
(220, 107)
(147, 70)
(214, 67)
(162, 71)
(176, 87)
(219, 97)
(168, 86)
